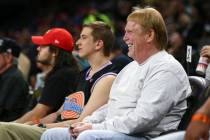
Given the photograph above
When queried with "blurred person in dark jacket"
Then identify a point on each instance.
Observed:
(119, 55)
(13, 87)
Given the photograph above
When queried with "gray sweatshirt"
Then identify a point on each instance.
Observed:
(145, 99)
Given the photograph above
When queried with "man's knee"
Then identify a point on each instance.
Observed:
(87, 135)
(48, 134)
(56, 133)
(4, 126)
(4, 131)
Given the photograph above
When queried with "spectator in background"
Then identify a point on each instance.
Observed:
(24, 65)
(95, 15)
(178, 48)
(13, 87)
(142, 102)
(39, 84)
(205, 52)
(118, 57)
(55, 48)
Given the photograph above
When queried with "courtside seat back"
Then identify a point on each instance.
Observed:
(200, 90)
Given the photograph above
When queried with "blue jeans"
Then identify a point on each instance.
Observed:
(63, 134)
(106, 135)
(56, 134)
(172, 136)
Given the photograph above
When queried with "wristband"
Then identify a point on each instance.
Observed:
(36, 121)
(42, 125)
(201, 118)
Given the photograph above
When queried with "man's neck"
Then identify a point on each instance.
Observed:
(97, 62)
(47, 69)
(147, 54)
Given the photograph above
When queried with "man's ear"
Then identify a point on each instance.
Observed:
(150, 35)
(99, 44)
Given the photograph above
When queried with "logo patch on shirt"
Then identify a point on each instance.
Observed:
(73, 106)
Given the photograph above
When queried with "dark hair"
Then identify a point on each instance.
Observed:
(63, 58)
(101, 31)
(119, 45)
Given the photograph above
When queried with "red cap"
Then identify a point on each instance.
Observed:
(58, 37)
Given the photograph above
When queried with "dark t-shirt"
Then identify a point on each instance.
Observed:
(13, 94)
(87, 84)
(58, 85)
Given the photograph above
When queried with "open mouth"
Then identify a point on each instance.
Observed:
(130, 45)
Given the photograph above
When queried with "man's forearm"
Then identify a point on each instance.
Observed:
(39, 111)
(60, 124)
(51, 118)
(26, 118)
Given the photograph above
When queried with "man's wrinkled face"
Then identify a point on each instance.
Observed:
(134, 38)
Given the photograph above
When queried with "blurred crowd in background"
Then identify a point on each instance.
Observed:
(188, 22)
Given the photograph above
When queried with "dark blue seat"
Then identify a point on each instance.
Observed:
(200, 92)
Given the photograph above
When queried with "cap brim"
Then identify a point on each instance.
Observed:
(39, 40)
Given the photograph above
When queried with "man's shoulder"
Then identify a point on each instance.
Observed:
(165, 61)
(13, 72)
(131, 65)
(169, 65)
(14, 78)
(129, 69)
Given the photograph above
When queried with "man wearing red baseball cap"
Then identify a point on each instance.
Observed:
(58, 37)
(54, 49)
